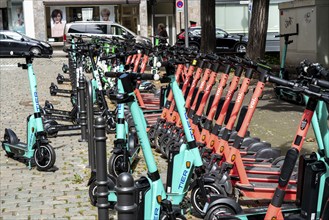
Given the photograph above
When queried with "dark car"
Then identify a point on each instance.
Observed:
(12, 41)
(224, 41)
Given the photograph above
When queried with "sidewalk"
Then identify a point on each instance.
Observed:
(30, 194)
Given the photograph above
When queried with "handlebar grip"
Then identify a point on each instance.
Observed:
(212, 56)
(234, 59)
(324, 73)
(112, 74)
(325, 97)
(146, 76)
(281, 82)
(322, 83)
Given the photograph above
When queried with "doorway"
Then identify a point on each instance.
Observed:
(167, 20)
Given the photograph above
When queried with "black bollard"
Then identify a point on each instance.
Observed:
(90, 120)
(125, 190)
(83, 108)
(101, 172)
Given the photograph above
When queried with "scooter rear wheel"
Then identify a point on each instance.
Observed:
(44, 157)
(198, 202)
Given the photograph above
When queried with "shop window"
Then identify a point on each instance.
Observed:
(16, 17)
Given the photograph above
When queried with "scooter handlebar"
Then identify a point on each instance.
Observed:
(322, 83)
(281, 82)
(141, 76)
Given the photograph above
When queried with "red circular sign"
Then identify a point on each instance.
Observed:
(179, 4)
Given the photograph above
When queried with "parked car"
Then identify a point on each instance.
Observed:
(224, 41)
(12, 41)
(101, 29)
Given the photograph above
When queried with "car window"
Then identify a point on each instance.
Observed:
(220, 33)
(14, 36)
(196, 32)
(116, 30)
(77, 28)
(2, 36)
(98, 29)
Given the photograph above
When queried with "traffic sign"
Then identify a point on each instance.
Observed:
(179, 6)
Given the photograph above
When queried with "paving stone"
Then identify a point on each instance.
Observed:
(30, 194)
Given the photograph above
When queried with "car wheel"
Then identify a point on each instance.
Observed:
(35, 50)
(240, 48)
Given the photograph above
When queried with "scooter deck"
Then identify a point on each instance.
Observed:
(260, 173)
(18, 149)
(265, 190)
(19, 145)
(265, 178)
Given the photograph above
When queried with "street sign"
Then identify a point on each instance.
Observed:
(179, 6)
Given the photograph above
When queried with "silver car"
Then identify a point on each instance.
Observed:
(101, 29)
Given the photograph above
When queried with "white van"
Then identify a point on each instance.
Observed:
(99, 28)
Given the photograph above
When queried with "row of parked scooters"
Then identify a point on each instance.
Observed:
(194, 123)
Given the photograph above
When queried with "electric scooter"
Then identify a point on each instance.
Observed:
(222, 207)
(37, 151)
(288, 94)
(184, 160)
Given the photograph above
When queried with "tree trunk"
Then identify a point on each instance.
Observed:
(258, 29)
(208, 33)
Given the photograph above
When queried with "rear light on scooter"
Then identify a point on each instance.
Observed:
(64, 37)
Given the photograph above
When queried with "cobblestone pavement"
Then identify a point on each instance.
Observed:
(30, 194)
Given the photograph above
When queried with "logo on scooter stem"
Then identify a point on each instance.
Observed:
(183, 179)
(156, 213)
(36, 101)
(303, 124)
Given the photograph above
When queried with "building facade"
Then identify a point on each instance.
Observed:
(44, 19)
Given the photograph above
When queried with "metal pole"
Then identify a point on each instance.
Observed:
(90, 119)
(83, 110)
(186, 22)
(101, 172)
(125, 190)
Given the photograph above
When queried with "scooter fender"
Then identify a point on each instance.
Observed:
(117, 151)
(206, 180)
(225, 181)
(92, 177)
(111, 180)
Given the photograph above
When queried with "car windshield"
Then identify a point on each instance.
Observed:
(219, 32)
(13, 35)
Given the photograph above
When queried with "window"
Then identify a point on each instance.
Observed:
(116, 30)
(98, 29)
(220, 33)
(14, 36)
(2, 36)
(77, 28)
(196, 32)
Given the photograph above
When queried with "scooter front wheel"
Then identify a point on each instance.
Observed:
(198, 202)
(44, 157)
(92, 194)
(115, 165)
